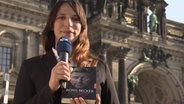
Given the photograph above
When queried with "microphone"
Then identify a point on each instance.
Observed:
(64, 49)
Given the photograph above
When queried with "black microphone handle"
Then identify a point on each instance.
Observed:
(64, 56)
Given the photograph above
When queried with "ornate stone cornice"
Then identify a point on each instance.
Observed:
(31, 5)
(137, 45)
(19, 17)
(117, 53)
(100, 48)
(111, 24)
(104, 29)
(175, 29)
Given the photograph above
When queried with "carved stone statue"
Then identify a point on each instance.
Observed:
(156, 56)
(153, 22)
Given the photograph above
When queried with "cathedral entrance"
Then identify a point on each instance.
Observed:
(157, 86)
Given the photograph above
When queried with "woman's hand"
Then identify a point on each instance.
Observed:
(98, 99)
(80, 100)
(61, 71)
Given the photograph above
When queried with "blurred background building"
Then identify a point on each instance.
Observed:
(145, 53)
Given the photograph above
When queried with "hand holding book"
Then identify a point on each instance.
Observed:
(81, 86)
(80, 100)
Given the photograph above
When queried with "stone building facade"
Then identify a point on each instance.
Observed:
(119, 34)
(21, 24)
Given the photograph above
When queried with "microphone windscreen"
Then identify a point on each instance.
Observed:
(64, 45)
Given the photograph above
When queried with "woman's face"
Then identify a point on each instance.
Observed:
(67, 23)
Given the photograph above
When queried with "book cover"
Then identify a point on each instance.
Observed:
(82, 84)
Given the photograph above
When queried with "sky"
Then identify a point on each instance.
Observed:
(174, 10)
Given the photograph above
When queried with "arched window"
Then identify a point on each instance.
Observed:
(6, 51)
(5, 58)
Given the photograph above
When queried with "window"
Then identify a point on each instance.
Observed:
(5, 58)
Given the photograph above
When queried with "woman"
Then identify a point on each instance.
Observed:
(38, 80)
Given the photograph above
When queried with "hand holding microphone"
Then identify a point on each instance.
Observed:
(64, 49)
(61, 71)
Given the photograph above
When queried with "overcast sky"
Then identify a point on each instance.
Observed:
(175, 10)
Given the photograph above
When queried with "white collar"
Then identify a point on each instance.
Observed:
(71, 63)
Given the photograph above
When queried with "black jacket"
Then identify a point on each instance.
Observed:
(32, 84)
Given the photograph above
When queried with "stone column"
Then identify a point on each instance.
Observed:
(123, 89)
(32, 44)
(86, 9)
(162, 20)
(122, 84)
(142, 16)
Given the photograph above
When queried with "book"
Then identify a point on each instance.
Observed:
(82, 84)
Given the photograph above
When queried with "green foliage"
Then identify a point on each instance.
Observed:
(133, 79)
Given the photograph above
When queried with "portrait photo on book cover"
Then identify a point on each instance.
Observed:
(82, 83)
